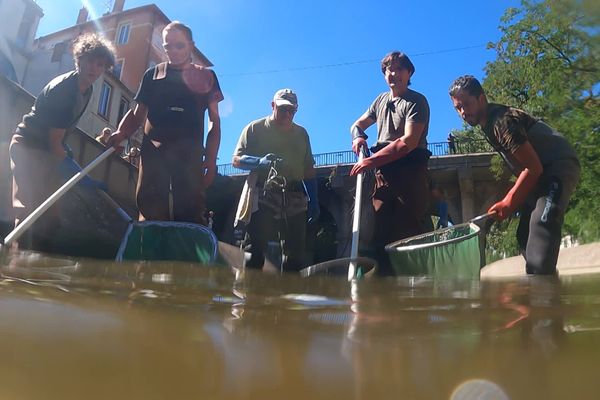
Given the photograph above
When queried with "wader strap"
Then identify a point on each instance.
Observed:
(160, 71)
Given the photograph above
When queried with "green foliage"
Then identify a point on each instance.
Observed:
(470, 140)
(548, 63)
(547, 59)
(501, 240)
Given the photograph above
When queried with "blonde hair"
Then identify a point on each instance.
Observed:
(187, 31)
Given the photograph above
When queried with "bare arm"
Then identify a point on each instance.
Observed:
(529, 160)
(412, 134)
(55, 136)
(213, 140)
(395, 150)
(528, 178)
(364, 121)
(132, 120)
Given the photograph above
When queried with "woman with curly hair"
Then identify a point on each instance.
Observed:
(39, 157)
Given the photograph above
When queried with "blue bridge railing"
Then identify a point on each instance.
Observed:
(348, 157)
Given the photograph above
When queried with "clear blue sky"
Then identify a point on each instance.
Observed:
(328, 51)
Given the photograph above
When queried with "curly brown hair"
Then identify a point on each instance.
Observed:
(93, 45)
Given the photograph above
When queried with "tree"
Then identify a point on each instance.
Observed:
(470, 140)
(548, 63)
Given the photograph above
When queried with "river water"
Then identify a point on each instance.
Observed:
(88, 329)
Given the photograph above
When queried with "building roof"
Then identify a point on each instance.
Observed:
(32, 3)
(150, 7)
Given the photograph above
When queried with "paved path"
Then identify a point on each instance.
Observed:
(579, 260)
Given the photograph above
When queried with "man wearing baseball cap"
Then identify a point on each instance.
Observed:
(278, 152)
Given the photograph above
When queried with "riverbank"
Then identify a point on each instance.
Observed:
(578, 260)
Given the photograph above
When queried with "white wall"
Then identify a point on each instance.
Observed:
(10, 26)
(9, 29)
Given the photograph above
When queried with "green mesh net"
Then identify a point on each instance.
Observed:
(166, 240)
(446, 253)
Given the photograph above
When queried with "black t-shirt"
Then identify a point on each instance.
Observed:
(177, 101)
(59, 105)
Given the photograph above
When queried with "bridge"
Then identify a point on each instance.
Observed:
(347, 157)
(462, 176)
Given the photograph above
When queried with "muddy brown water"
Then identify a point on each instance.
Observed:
(88, 329)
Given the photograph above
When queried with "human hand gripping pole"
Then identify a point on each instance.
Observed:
(392, 152)
(37, 213)
(359, 139)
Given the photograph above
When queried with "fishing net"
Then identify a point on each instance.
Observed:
(166, 240)
(446, 253)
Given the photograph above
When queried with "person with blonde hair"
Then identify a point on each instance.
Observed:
(40, 159)
(171, 103)
(103, 137)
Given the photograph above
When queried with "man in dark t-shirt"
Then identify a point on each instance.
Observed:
(171, 103)
(39, 157)
(544, 162)
(401, 194)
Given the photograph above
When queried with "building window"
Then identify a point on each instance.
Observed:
(104, 101)
(118, 69)
(58, 51)
(123, 108)
(123, 35)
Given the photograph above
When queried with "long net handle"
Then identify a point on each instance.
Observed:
(37, 213)
(356, 222)
(480, 218)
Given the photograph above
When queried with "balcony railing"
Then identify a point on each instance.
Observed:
(348, 157)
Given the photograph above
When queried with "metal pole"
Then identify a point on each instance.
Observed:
(356, 223)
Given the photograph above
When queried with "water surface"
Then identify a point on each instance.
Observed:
(96, 330)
